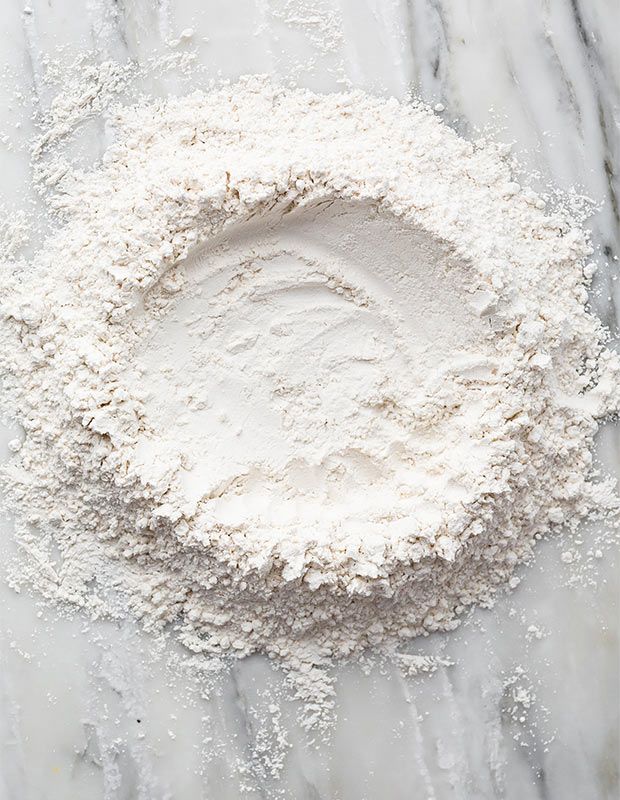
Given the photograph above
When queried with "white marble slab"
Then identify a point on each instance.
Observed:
(92, 711)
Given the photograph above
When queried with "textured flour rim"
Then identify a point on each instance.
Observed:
(174, 176)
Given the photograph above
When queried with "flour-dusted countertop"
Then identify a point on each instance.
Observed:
(530, 707)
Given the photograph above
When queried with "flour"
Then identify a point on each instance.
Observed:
(14, 231)
(298, 374)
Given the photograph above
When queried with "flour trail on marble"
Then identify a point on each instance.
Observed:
(298, 374)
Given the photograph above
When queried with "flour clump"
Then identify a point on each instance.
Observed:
(298, 373)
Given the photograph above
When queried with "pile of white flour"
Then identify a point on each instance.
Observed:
(298, 374)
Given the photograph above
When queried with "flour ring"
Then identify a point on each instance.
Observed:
(299, 373)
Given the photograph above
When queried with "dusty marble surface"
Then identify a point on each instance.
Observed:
(529, 710)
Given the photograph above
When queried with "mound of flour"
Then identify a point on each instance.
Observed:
(298, 374)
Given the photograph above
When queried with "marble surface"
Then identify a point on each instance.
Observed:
(530, 708)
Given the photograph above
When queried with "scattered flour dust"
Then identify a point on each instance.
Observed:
(299, 374)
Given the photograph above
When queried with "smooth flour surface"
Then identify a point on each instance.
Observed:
(295, 375)
(298, 374)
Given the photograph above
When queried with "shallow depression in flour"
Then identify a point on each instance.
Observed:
(290, 364)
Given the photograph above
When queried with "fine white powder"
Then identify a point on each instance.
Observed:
(297, 374)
